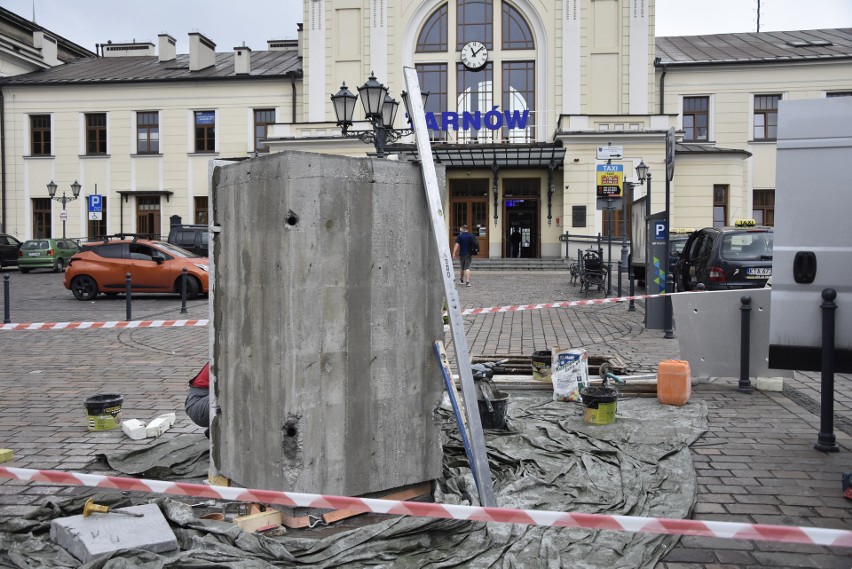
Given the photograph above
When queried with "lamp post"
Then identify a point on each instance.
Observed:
(63, 199)
(379, 108)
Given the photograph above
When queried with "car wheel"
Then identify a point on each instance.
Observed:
(84, 287)
(59, 266)
(25, 271)
(193, 288)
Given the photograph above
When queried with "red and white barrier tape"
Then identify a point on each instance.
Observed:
(729, 530)
(176, 323)
(104, 325)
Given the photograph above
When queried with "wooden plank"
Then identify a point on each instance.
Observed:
(408, 494)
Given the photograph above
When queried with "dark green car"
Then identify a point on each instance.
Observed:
(46, 254)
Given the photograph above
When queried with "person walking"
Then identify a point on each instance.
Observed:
(464, 250)
(515, 241)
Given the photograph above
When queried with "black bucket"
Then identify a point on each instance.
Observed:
(541, 365)
(103, 412)
(599, 405)
(495, 419)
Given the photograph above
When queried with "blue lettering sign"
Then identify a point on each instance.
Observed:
(95, 202)
(492, 120)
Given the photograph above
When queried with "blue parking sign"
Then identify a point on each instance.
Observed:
(660, 230)
(95, 202)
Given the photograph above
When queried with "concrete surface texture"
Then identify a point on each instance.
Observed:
(755, 464)
(327, 301)
(97, 534)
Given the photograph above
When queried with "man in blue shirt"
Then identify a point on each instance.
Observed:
(463, 250)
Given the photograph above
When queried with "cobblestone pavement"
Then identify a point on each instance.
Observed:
(755, 464)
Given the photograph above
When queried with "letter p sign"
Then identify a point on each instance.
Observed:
(660, 231)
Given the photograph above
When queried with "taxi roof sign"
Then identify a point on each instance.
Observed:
(745, 223)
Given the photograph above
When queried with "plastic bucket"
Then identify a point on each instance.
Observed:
(599, 404)
(103, 412)
(541, 365)
(495, 419)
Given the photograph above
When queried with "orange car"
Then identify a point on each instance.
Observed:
(154, 266)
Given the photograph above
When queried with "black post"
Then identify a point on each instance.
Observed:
(127, 296)
(183, 291)
(7, 313)
(667, 307)
(825, 440)
(745, 337)
(619, 278)
(631, 307)
(610, 210)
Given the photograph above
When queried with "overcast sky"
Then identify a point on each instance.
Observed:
(253, 22)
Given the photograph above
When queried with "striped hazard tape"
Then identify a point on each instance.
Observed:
(177, 323)
(104, 325)
(729, 530)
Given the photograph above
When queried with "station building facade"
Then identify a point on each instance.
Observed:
(522, 94)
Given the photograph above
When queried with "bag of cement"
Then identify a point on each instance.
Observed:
(570, 373)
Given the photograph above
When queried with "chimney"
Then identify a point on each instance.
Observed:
(242, 60)
(202, 52)
(47, 46)
(167, 48)
(129, 49)
(300, 35)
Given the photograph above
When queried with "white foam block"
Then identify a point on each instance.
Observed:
(134, 428)
(769, 383)
(170, 417)
(157, 427)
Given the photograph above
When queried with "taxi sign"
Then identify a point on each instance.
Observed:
(745, 223)
(610, 178)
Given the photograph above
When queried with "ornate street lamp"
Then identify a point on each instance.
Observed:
(63, 199)
(379, 108)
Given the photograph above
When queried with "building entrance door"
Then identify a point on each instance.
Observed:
(469, 206)
(521, 213)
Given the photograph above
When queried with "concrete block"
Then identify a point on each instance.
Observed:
(768, 383)
(171, 417)
(157, 427)
(134, 428)
(6, 455)
(325, 377)
(86, 538)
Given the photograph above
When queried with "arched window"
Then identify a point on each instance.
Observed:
(507, 80)
(433, 36)
(516, 32)
(475, 22)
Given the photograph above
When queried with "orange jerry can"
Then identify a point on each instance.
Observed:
(674, 384)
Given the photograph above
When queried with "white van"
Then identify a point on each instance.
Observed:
(813, 232)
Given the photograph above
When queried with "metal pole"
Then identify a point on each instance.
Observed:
(127, 296)
(745, 336)
(631, 306)
(667, 316)
(183, 291)
(825, 440)
(610, 210)
(648, 264)
(63, 215)
(7, 313)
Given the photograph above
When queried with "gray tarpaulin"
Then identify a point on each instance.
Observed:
(548, 459)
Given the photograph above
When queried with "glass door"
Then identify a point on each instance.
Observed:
(469, 206)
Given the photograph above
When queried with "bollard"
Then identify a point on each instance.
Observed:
(7, 311)
(620, 269)
(183, 291)
(667, 307)
(127, 296)
(825, 440)
(745, 335)
(631, 307)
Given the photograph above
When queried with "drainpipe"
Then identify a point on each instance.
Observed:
(662, 86)
(293, 87)
(3, 160)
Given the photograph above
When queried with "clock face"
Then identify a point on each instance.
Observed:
(474, 55)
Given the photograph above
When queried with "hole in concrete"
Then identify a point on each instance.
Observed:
(695, 310)
(290, 446)
(292, 218)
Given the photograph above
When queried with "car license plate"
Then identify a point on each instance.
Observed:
(759, 272)
(33, 254)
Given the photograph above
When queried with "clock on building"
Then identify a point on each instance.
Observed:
(474, 55)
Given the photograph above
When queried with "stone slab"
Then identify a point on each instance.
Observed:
(97, 534)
